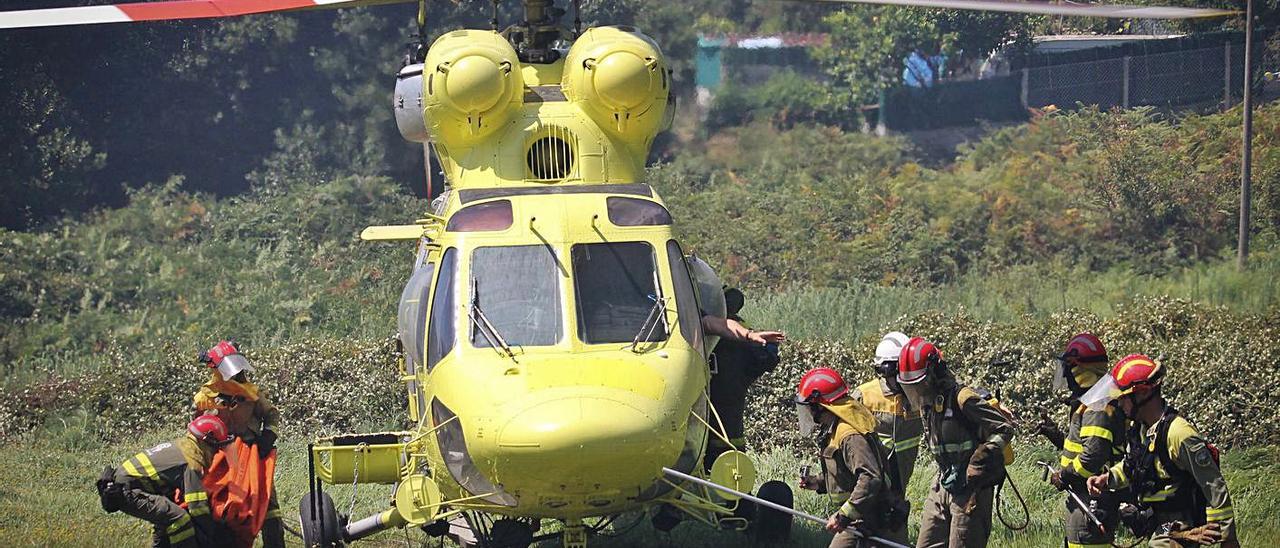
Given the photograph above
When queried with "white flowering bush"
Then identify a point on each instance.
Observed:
(1224, 367)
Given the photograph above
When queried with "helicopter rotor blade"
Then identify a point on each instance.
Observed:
(167, 11)
(1113, 11)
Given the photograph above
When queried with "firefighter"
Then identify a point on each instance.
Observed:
(738, 365)
(853, 462)
(898, 425)
(244, 406)
(1171, 469)
(968, 436)
(144, 487)
(1093, 442)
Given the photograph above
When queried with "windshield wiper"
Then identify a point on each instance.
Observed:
(485, 327)
(657, 314)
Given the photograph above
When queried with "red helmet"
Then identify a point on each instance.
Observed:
(227, 359)
(1135, 374)
(918, 358)
(1084, 348)
(821, 385)
(209, 429)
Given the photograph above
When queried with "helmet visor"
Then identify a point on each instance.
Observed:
(806, 418)
(232, 365)
(1101, 394)
(1060, 374)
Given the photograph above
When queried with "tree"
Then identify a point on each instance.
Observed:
(868, 43)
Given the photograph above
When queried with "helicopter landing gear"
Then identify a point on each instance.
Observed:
(771, 525)
(321, 525)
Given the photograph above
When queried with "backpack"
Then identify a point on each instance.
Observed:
(994, 402)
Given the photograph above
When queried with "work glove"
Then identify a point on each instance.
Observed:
(1055, 479)
(1204, 535)
(811, 483)
(1051, 432)
(266, 442)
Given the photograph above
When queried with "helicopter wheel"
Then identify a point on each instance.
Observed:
(326, 530)
(771, 525)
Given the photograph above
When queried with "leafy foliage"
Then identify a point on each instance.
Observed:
(1092, 190)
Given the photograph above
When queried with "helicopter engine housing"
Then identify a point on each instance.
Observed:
(407, 104)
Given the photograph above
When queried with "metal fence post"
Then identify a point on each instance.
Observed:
(1226, 75)
(1125, 101)
(1026, 77)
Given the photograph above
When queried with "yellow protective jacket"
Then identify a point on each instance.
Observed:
(853, 465)
(899, 429)
(248, 412)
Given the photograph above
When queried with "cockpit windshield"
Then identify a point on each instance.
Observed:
(618, 296)
(518, 290)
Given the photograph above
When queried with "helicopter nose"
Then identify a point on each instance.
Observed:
(582, 446)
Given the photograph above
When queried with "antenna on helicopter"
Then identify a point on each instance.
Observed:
(493, 18)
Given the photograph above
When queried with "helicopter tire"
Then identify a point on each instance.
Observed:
(771, 525)
(326, 530)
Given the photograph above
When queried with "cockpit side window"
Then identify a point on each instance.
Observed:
(686, 299)
(440, 338)
(617, 293)
(517, 291)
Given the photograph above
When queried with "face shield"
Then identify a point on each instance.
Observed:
(918, 394)
(1101, 394)
(1060, 375)
(807, 419)
(232, 365)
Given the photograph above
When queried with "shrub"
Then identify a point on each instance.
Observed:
(1223, 366)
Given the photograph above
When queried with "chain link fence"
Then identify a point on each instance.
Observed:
(1203, 75)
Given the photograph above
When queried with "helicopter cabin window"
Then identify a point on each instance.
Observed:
(412, 317)
(486, 217)
(686, 299)
(617, 293)
(440, 337)
(515, 296)
(636, 212)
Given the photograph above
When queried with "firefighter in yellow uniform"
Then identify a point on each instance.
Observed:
(853, 463)
(1094, 441)
(898, 426)
(230, 394)
(967, 436)
(1170, 468)
(145, 486)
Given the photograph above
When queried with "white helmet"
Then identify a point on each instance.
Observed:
(890, 347)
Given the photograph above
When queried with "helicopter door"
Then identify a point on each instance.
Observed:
(412, 321)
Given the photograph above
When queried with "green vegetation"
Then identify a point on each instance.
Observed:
(1094, 191)
(1119, 222)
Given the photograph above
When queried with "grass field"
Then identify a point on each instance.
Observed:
(47, 498)
(849, 313)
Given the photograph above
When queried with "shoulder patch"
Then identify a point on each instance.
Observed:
(159, 448)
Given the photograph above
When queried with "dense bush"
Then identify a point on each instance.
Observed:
(321, 385)
(1094, 190)
(1224, 367)
(283, 262)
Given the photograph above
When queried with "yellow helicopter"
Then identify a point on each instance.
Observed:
(555, 334)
